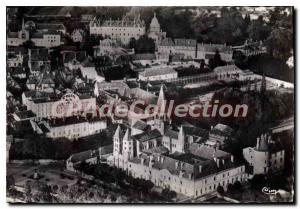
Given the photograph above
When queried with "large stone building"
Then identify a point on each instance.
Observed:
(17, 38)
(267, 156)
(207, 51)
(51, 105)
(174, 160)
(47, 39)
(122, 30)
(185, 48)
(158, 73)
(73, 127)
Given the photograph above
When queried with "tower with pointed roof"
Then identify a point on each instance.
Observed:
(181, 140)
(160, 116)
(23, 33)
(128, 148)
(117, 142)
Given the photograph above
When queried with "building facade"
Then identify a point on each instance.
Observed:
(266, 157)
(122, 30)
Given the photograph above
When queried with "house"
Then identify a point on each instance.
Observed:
(38, 60)
(18, 72)
(111, 48)
(24, 115)
(72, 59)
(228, 72)
(88, 71)
(90, 157)
(47, 39)
(14, 59)
(46, 27)
(17, 38)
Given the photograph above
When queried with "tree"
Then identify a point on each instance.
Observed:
(238, 186)
(145, 45)
(258, 30)
(216, 60)
(220, 189)
(132, 43)
(10, 182)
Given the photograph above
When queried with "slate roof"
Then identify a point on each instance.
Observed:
(25, 114)
(140, 125)
(222, 129)
(214, 47)
(147, 56)
(195, 131)
(226, 68)
(146, 136)
(85, 155)
(206, 152)
(148, 72)
(185, 42)
(188, 164)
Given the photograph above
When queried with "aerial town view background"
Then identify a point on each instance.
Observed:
(150, 104)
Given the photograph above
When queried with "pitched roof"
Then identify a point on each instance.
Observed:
(146, 136)
(82, 156)
(140, 125)
(171, 134)
(25, 114)
(185, 42)
(148, 72)
(222, 48)
(206, 152)
(195, 131)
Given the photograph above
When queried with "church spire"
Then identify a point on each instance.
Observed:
(181, 139)
(181, 133)
(118, 132)
(96, 90)
(127, 135)
(161, 101)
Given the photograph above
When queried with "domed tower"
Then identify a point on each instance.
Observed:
(155, 32)
(154, 25)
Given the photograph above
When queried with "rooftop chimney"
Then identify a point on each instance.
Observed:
(218, 162)
(200, 168)
(176, 164)
(257, 143)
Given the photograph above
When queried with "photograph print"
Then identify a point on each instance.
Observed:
(159, 105)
